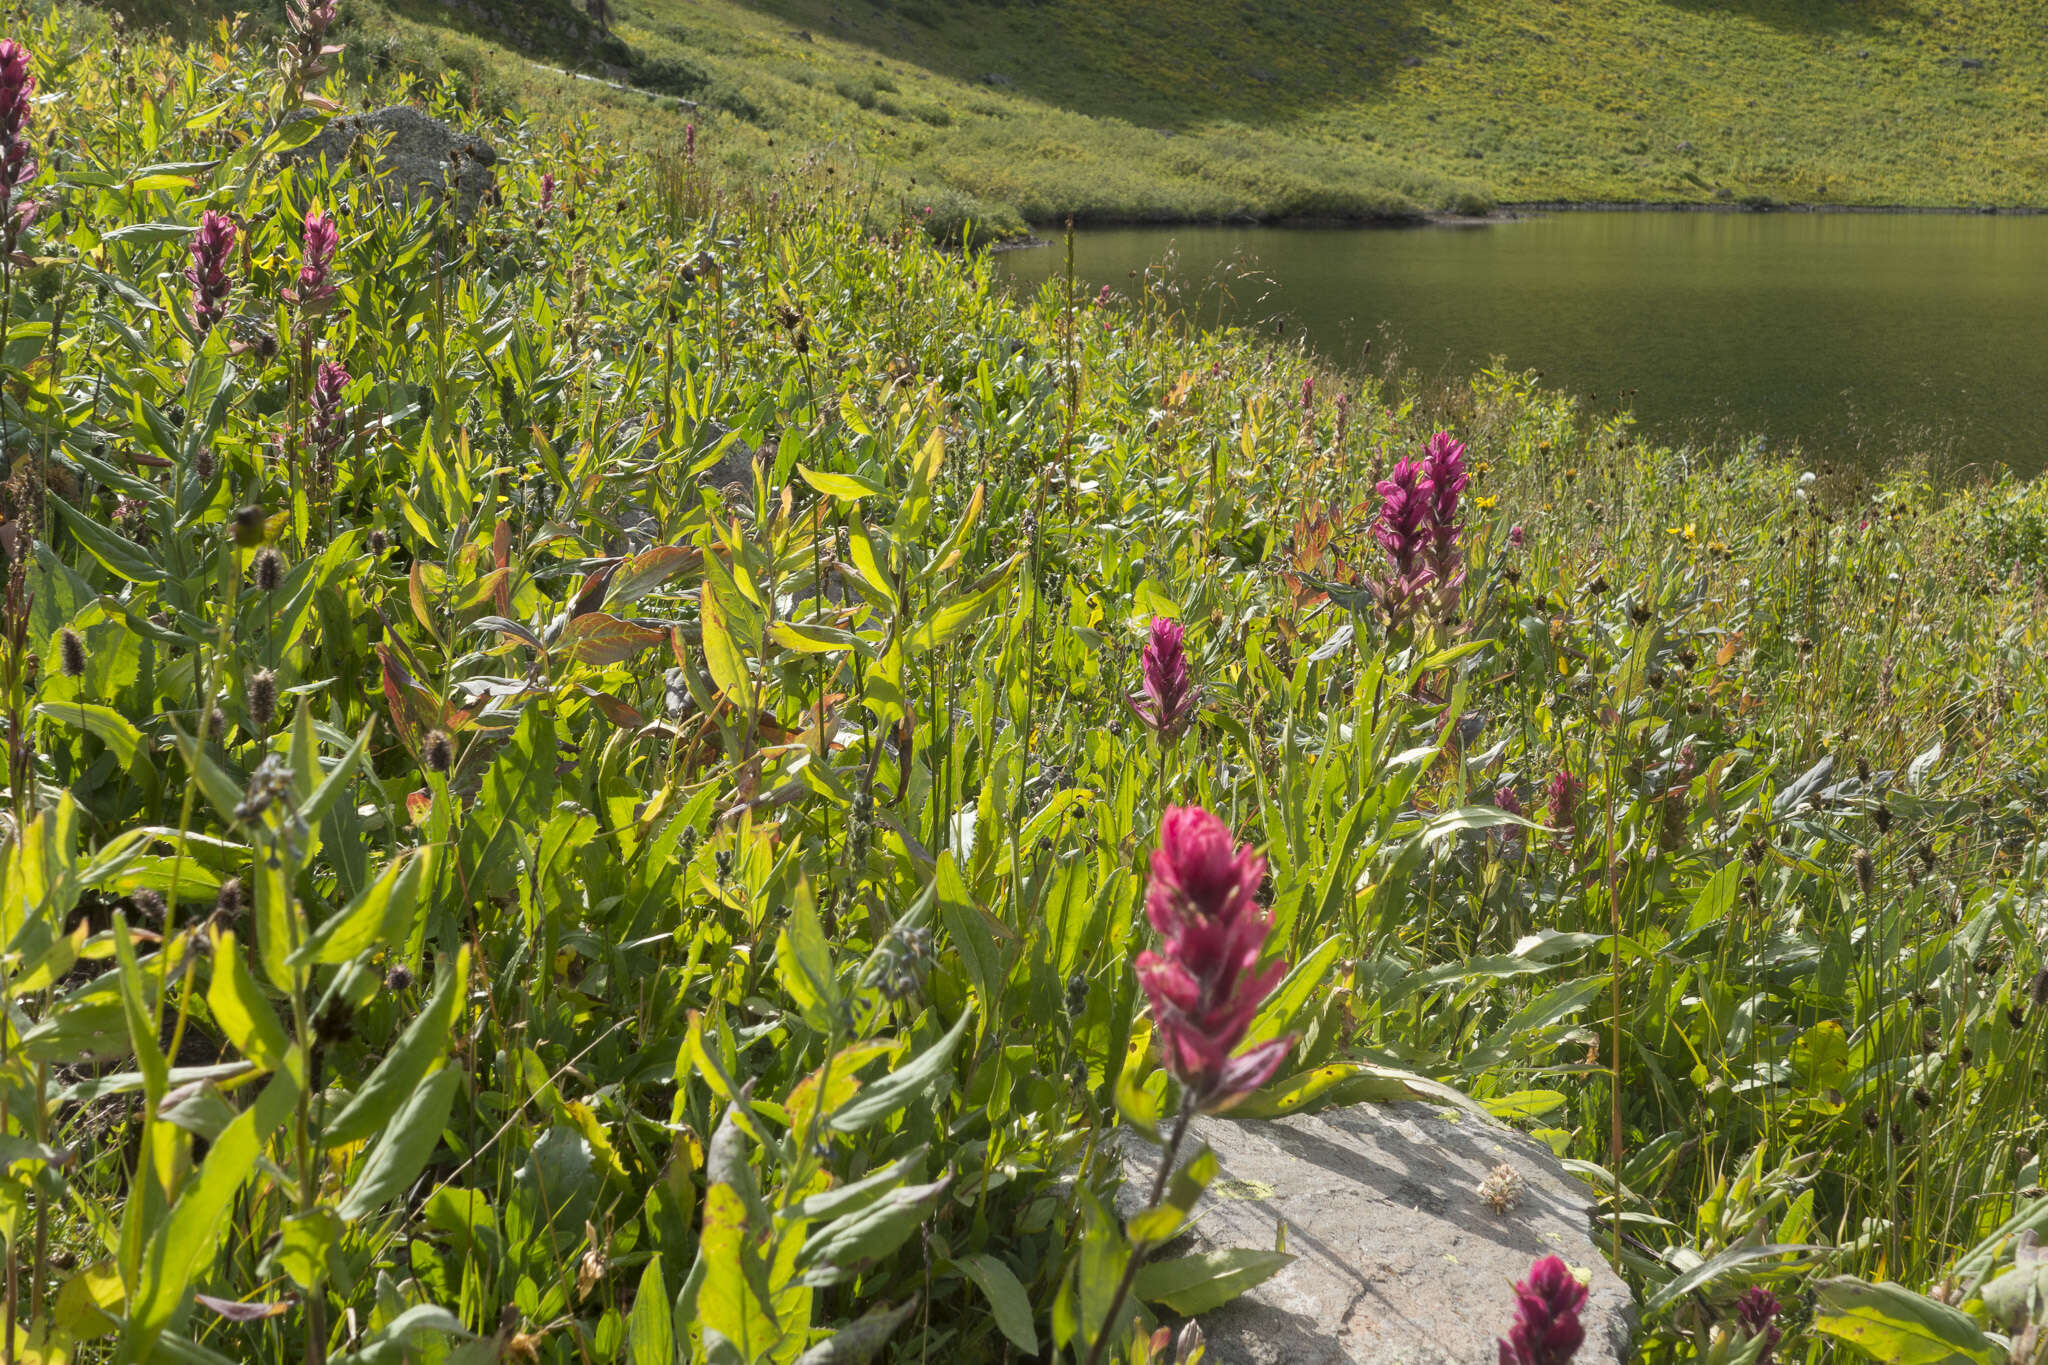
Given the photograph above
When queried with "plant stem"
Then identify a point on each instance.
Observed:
(1137, 1257)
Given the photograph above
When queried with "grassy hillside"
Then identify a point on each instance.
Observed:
(1325, 108)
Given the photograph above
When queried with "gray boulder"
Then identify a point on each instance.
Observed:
(1400, 1260)
(420, 155)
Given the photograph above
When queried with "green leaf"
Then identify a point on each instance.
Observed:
(1735, 1258)
(241, 1011)
(845, 487)
(902, 1086)
(121, 556)
(738, 1322)
(305, 1248)
(185, 1240)
(803, 964)
(424, 1043)
(1893, 1324)
(1294, 992)
(111, 728)
(860, 1340)
(650, 1332)
(840, 1249)
(381, 915)
(723, 658)
(398, 1157)
(1195, 1284)
(1007, 1301)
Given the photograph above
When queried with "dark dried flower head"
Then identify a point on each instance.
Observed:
(263, 698)
(228, 903)
(71, 652)
(204, 464)
(1882, 818)
(1866, 871)
(2038, 992)
(398, 980)
(1922, 1098)
(269, 567)
(149, 907)
(379, 542)
(439, 751)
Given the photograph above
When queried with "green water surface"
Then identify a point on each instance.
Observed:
(1861, 337)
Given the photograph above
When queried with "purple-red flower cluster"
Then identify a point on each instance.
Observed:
(213, 242)
(1168, 700)
(1205, 983)
(1401, 532)
(1561, 800)
(17, 159)
(1418, 529)
(320, 239)
(1757, 1311)
(1547, 1329)
(1443, 480)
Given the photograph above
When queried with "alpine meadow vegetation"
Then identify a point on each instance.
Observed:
(653, 773)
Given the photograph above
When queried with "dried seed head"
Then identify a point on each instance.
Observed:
(71, 652)
(398, 980)
(1502, 1189)
(248, 526)
(379, 542)
(1922, 1098)
(1882, 816)
(2038, 992)
(269, 568)
(204, 464)
(1870, 1120)
(263, 698)
(228, 904)
(439, 752)
(1862, 769)
(1926, 852)
(149, 907)
(1866, 871)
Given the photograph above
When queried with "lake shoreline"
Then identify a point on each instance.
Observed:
(1512, 213)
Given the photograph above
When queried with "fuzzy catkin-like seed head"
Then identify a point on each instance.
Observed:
(228, 904)
(71, 652)
(398, 980)
(263, 698)
(269, 568)
(379, 542)
(149, 907)
(2039, 990)
(1866, 871)
(439, 751)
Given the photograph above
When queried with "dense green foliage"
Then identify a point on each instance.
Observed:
(516, 894)
(1165, 109)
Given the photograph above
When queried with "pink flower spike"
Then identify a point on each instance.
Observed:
(212, 244)
(320, 240)
(1205, 984)
(1547, 1330)
(1168, 701)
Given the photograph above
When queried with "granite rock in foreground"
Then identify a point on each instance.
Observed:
(1399, 1259)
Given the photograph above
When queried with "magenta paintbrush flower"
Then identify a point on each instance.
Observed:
(212, 244)
(1403, 535)
(1443, 479)
(1205, 983)
(1757, 1311)
(320, 240)
(1168, 700)
(1561, 800)
(1547, 1329)
(17, 160)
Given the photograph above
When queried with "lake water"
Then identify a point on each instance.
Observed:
(1858, 336)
